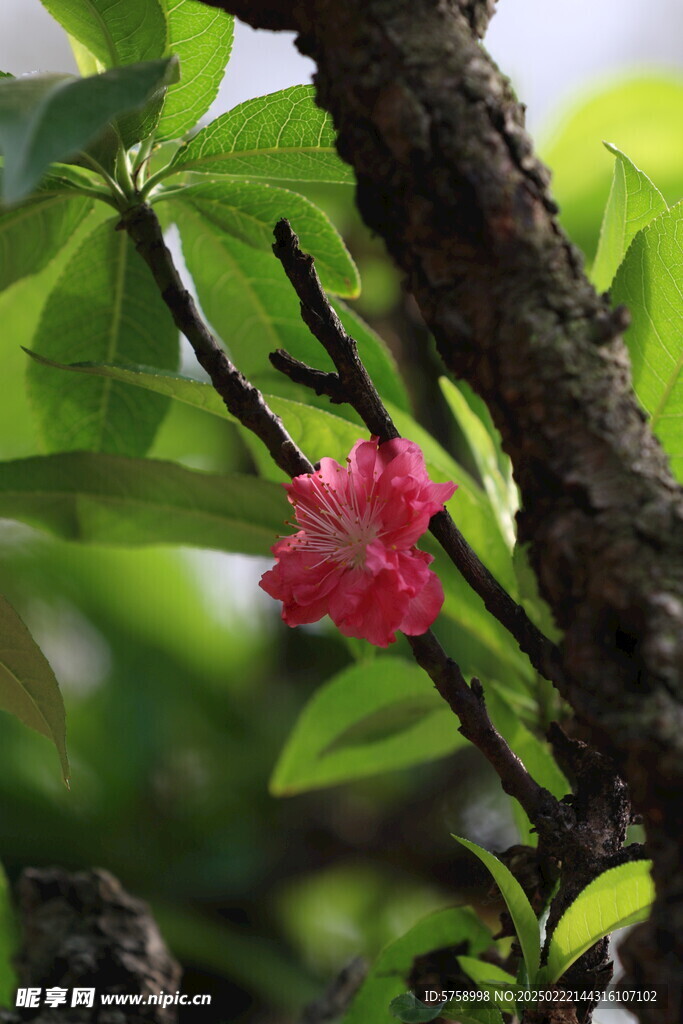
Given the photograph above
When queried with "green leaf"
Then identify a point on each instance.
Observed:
(105, 305)
(521, 911)
(483, 450)
(376, 716)
(458, 927)
(637, 113)
(472, 1013)
(28, 688)
(114, 32)
(619, 897)
(249, 212)
(252, 306)
(202, 38)
(648, 282)
(114, 500)
(633, 202)
(409, 1009)
(44, 118)
(490, 978)
(282, 136)
(32, 233)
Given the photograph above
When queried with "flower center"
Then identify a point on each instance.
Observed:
(334, 525)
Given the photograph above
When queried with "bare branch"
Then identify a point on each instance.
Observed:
(242, 399)
(352, 382)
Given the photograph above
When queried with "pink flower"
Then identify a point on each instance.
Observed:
(354, 556)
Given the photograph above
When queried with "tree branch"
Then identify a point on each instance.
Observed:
(352, 384)
(246, 403)
(447, 176)
(242, 399)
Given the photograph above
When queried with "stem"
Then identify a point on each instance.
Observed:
(112, 184)
(242, 399)
(353, 385)
(123, 174)
(155, 180)
(246, 403)
(144, 153)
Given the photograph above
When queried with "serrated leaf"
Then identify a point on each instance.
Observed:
(28, 688)
(374, 717)
(521, 911)
(32, 233)
(619, 897)
(485, 456)
(281, 136)
(44, 118)
(387, 979)
(201, 37)
(649, 283)
(249, 211)
(114, 32)
(115, 500)
(107, 306)
(633, 202)
(252, 306)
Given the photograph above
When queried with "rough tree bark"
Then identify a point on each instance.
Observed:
(447, 176)
(83, 930)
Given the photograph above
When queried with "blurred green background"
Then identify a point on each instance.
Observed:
(181, 684)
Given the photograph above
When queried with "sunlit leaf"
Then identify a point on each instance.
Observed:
(202, 38)
(458, 927)
(374, 717)
(114, 500)
(252, 306)
(485, 456)
(490, 978)
(636, 114)
(633, 202)
(115, 32)
(280, 136)
(249, 211)
(648, 281)
(619, 897)
(51, 117)
(521, 911)
(105, 305)
(28, 688)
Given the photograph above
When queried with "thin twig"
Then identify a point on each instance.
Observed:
(468, 703)
(353, 381)
(242, 399)
(246, 404)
